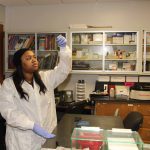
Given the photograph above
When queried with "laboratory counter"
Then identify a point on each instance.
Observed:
(109, 99)
(66, 125)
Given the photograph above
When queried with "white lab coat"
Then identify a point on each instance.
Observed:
(20, 114)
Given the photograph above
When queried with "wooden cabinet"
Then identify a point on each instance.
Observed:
(109, 108)
(106, 109)
(145, 128)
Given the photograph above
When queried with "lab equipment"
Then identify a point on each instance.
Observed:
(61, 41)
(91, 138)
(42, 132)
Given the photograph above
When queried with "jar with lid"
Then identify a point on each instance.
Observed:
(112, 92)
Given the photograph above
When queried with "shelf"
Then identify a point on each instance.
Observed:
(80, 59)
(87, 44)
(120, 59)
(47, 50)
(120, 45)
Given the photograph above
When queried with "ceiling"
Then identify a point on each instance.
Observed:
(51, 2)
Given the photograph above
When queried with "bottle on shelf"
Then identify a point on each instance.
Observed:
(112, 92)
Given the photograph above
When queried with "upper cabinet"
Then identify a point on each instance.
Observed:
(43, 45)
(47, 49)
(93, 51)
(105, 52)
(15, 41)
(146, 53)
(87, 51)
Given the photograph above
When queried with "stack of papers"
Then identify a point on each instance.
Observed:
(121, 144)
(91, 128)
(119, 130)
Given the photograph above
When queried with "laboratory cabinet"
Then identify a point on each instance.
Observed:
(109, 109)
(43, 45)
(105, 51)
(146, 52)
(123, 108)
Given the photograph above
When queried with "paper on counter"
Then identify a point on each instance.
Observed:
(122, 144)
(121, 130)
(91, 128)
(58, 148)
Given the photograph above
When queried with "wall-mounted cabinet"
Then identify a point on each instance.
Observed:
(146, 53)
(94, 52)
(105, 52)
(13, 43)
(43, 44)
(47, 49)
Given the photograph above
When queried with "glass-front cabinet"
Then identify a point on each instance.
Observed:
(47, 49)
(14, 42)
(121, 51)
(105, 51)
(43, 44)
(87, 51)
(146, 56)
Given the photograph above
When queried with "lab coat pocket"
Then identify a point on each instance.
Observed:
(17, 139)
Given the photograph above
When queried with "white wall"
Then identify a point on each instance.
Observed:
(2, 14)
(44, 18)
(123, 15)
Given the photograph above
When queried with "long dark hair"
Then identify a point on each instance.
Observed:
(18, 79)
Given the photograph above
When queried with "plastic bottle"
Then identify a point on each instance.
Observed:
(112, 92)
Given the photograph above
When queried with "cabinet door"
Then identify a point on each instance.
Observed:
(87, 51)
(121, 51)
(109, 109)
(145, 134)
(146, 57)
(124, 109)
(106, 109)
(14, 42)
(47, 49)
(146, 122)
(143, 108)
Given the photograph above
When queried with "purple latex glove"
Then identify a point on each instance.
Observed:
(61, 41)
(42, 132)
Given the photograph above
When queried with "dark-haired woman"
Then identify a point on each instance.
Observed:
(27, 99)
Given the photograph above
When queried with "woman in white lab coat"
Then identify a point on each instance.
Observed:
(27, 99)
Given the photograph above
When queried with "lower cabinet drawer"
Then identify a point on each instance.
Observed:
(143, 108)
(145, 134)
(146, 122)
